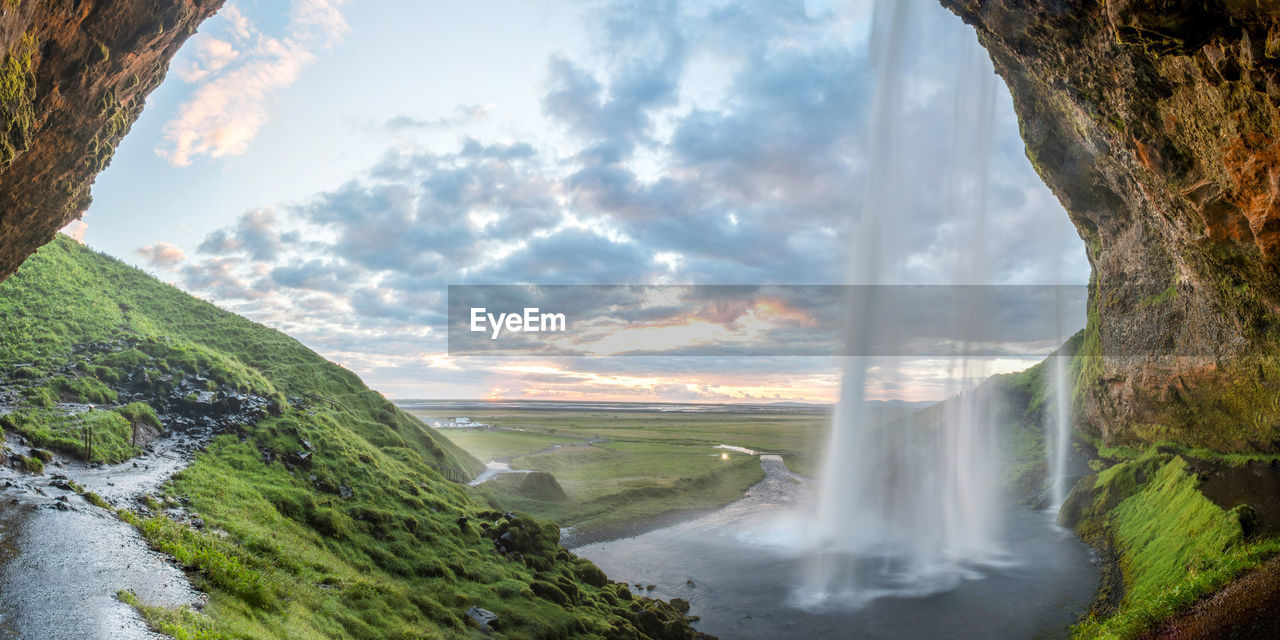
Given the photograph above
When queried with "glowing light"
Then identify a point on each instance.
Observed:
(724, 456)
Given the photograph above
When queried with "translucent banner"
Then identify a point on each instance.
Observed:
(762, 320)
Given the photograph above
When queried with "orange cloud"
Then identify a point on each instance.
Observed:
(225, 112)
(162, 254)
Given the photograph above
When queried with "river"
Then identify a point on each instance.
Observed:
(739, 570)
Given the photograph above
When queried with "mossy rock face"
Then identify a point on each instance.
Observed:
(72, 82)
(1157, 125)
(17, 90)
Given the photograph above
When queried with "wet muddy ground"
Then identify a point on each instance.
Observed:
(63, 560)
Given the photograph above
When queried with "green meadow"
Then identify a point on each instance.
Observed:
(622, 471)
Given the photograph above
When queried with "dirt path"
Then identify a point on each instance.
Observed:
(1247, 609)
(62, 560)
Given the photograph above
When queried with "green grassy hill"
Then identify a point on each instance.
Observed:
(328, 514)
(1166, 541)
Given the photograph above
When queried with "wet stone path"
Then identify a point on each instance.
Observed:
(63, 560)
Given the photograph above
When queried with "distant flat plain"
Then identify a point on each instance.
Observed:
(626, 468)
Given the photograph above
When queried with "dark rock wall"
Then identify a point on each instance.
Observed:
(74, 76)
(1156, 125)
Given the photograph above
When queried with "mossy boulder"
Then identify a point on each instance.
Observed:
(549, 591)
(534, 485)
(539, 485)
(589, 573)
(31, 464)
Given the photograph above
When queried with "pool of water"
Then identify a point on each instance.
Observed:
(744, 575)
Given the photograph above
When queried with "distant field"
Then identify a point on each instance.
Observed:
(488, 445)
(643, 466)
(801, 431)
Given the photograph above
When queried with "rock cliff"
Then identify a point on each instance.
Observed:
(1156, 125)
(73, 79)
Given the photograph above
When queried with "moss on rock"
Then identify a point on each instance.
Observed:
(17, 90)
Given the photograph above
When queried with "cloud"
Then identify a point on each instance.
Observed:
(331, 277)
(212, 55)
(161, 254)
(76, 230)
(463, 114)
(221, 279)
(254, 235)
(237, 77)
(649, 54)
(571, 256)
(725, 145)
(237, 23)
(428, 213)
(322, 15)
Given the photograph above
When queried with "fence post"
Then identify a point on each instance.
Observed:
(88, 439)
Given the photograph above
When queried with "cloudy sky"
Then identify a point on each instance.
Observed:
(328, 167)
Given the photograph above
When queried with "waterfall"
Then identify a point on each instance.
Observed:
(909, 507)
(1058, 419)
(1059, 441)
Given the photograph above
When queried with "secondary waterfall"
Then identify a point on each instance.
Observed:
(1059, 440)
(911, 506)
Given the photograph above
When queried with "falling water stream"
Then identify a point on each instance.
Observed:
(1060, 440)
(905, 534)
(911, 507)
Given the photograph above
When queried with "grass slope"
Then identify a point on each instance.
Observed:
(1174, 546)
(364, 538)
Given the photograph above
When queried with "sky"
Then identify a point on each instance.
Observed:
(329, 167)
